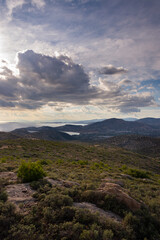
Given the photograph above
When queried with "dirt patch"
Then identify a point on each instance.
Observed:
(10, 177)
(63, 183)
(94, 209)
(4, 147)
(21, 196)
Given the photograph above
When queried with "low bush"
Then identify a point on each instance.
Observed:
(7, 218)
(3, 194)
(30, 171)
(137, 173)
(57, 200)
(41, 186)
(143, 225)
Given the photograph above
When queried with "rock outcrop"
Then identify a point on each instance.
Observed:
(119, 193)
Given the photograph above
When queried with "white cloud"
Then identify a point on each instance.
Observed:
(38, 3)
(58, 81)
(12, 4)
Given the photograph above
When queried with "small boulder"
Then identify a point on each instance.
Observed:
(111, 180)
(117, 191)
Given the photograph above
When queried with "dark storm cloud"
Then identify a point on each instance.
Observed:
(111, 70)
(134, 102)
(8, 87)
(53, 79)
(45, 80)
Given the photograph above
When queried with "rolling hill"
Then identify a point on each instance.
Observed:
(145, 145)
(150, 121)
(46, 133)
(115, 126)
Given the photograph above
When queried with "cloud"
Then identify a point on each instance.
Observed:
(53, 78)
(12, 4)
(43, 79)
(125, 82)
(38, 3)
(117, 98)
(111, 70)
(56, 81)
(133, 103)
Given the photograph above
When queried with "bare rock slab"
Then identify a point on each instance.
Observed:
(94, 209)
(111, 180)
(63, 183)
(21, 194)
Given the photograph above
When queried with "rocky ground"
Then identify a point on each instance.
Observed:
(21, 194)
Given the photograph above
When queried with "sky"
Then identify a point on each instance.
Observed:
(79, 59)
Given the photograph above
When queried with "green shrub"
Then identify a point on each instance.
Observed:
(124, 167)
(21, 231)
(89, 234)
(57, 200)
(137, 173)
(41, 185)
(84, 216)
(30, 171)
(3, 196)
(83, 162)
(44, 162)
(143, 225)
(108, 235)
(7, 218)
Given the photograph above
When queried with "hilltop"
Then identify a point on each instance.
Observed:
(138, 136)
(92, 131)
(115, 127)
(150, 121)
(46, 133)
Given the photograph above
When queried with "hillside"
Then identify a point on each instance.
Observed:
(134, 136)
(116, 126)
(8, 135)
(89, 192)
(91, 132)
(70, 128)
(141, 144)
(150, 121)
(46, 133)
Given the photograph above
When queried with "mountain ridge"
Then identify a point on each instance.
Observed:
(93, 131)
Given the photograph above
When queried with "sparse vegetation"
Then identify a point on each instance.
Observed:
(137, 173)
(54, 216)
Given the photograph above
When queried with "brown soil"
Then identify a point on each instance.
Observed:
(10, 177)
